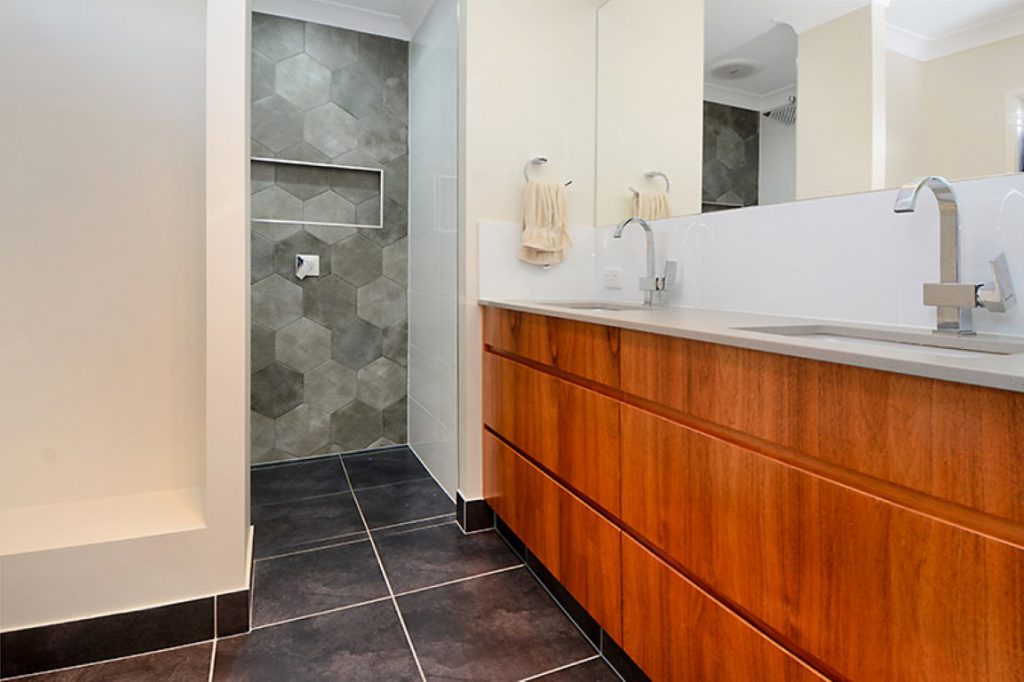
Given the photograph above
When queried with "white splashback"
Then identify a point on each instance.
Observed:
(841, 258)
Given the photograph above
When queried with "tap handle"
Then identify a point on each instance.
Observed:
(671, 270)
(1001, 297)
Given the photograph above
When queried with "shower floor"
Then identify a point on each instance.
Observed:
(361, 573)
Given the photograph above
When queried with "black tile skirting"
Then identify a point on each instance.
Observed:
(473, 515)
(91, 640)
(613, 654)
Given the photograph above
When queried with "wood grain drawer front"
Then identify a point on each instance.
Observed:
(675, 631)
(875, 591)
(587, 350)
(574, 542)
(952, 441)
(570, 430)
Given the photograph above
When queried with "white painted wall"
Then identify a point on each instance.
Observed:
(433, 247)
(840, 129)
(776, 171)
(125, 360)
(649, 103)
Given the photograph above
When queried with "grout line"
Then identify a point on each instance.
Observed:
(407, 523)
(213, 660)
(387, 581)
(561, 667)
(319, 613)
(108, 660)
(460, 580)
(314, 549)
(406, 531)
(417, 455)
(388, 485)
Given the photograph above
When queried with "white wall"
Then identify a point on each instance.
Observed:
(840, 126)
(776, 172)
(433, 248)
(124, 357)
(650, 54)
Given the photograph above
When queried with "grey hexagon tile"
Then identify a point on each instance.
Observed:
(273, 203)
(387, 56)
(256, 149)
(396, 181)
(396, 224)
(329, 207)
(330, 234)
(276, 390)
(396, 342)
(356, 426)
(357, 90)
(382, 383)
(383, 443)
(383, 137)
(303, 81)
(303, 345)
(381, 302)
(357, 157)
(302, 151)
(330, 129)
(261, 251)
(396, 96)
(261, 437)
(303, 182)
(357, 186)
(300, 243)
(368, 212)
(275, 232)
(276, 302)
(356, 343)
(729, 149)
(303, 431)
(262, 76)
(356, 260)
(329, 301)
(277, 37)
(332, 47)
(276, 123)
(261, 176)
(396, 421)
(261, 347)
(330, 386)
(396, 261)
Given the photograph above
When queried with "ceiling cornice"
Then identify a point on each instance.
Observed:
(925, 49)
(338, 13)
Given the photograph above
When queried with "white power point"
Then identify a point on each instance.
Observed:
(613, 278)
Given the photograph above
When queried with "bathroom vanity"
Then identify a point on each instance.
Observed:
(733, 504)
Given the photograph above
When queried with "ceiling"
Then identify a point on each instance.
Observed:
(392, 18)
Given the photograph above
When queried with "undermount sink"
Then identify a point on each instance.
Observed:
(954, 346)
(596, 306)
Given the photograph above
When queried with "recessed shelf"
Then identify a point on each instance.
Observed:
(312, 164)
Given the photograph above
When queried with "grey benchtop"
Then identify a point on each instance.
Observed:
(715, 326)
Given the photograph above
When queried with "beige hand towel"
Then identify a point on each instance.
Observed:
(545, 234)
(651, 205)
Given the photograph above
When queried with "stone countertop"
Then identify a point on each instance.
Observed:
(727, 328)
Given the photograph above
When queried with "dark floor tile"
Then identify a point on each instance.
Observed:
(517, 545)
(294, 481)
(384, 531)
(421, 558)
(288, 526)
(498, 627)
(311, 582)
(590, 627)
(186, 664)
(620, 660)
(402, 502)
(595, 670)
(361, 643)
(384, 468)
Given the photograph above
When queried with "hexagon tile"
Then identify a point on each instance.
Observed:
(329, 353)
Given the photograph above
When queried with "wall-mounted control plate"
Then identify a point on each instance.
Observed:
(613, 278)
(307, 265)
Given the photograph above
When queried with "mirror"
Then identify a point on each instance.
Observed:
(751, 102)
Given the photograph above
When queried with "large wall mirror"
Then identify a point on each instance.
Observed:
(801, 98)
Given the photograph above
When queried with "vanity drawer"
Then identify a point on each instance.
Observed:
(570, 430)
(877, 591)
(954, 442)
(589, 351)
(675, 631)
(575, 543)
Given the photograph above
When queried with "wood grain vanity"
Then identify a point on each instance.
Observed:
(733, 514)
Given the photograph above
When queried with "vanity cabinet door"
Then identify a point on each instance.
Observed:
(575, 543)
(589, 351)
(675, 631)
(569, 430)
(876, 591)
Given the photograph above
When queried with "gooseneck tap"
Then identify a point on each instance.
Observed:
(650, 283)
(955, 300)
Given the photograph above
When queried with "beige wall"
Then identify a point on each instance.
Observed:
(948, 116)
(649, 103)
(841, 91)
(528, 89)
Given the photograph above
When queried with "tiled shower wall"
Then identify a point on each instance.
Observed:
(329, 353)
(730, 154)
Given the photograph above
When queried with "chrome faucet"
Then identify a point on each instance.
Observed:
(650, 283)
(955, 300)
